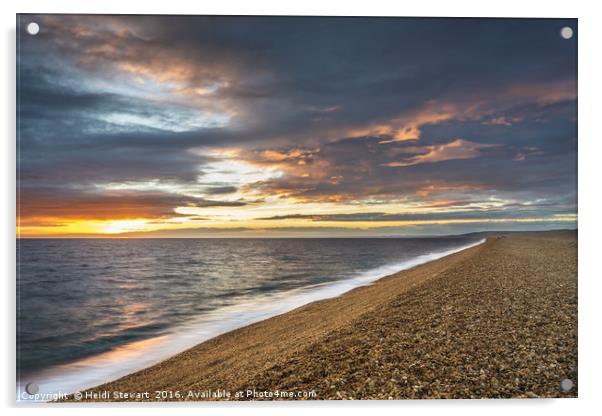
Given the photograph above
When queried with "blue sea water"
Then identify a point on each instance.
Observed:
(90, 310)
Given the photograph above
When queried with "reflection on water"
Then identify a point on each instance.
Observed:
(92, 310)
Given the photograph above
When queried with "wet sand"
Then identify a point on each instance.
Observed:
(494, 321)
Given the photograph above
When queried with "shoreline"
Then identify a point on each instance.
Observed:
(263, 355)
(91, 371)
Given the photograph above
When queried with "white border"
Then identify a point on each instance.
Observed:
(590, 68)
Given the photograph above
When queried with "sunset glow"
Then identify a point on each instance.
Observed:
(228, 134)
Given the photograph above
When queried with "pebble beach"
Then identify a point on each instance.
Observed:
(498, 320)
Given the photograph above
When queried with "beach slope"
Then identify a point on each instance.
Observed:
(496, 320)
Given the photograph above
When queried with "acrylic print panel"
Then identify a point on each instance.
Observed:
(189, 187)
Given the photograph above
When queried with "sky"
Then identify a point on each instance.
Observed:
(233, 126)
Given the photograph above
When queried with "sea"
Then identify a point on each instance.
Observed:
(92, 310)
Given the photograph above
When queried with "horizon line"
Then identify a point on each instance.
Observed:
(125, 237)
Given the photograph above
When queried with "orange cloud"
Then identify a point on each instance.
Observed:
(296, 162)
(544, 93)
(114, 205)
(457, 149)
(296, 154)
(407, 126)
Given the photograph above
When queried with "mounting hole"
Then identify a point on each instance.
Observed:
(33, 28)
(566, 32)
(566, 385)
(32, 388)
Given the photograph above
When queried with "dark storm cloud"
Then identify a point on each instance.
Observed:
(281, 70)
(511, 211)
(491, 102)
(218, 190)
